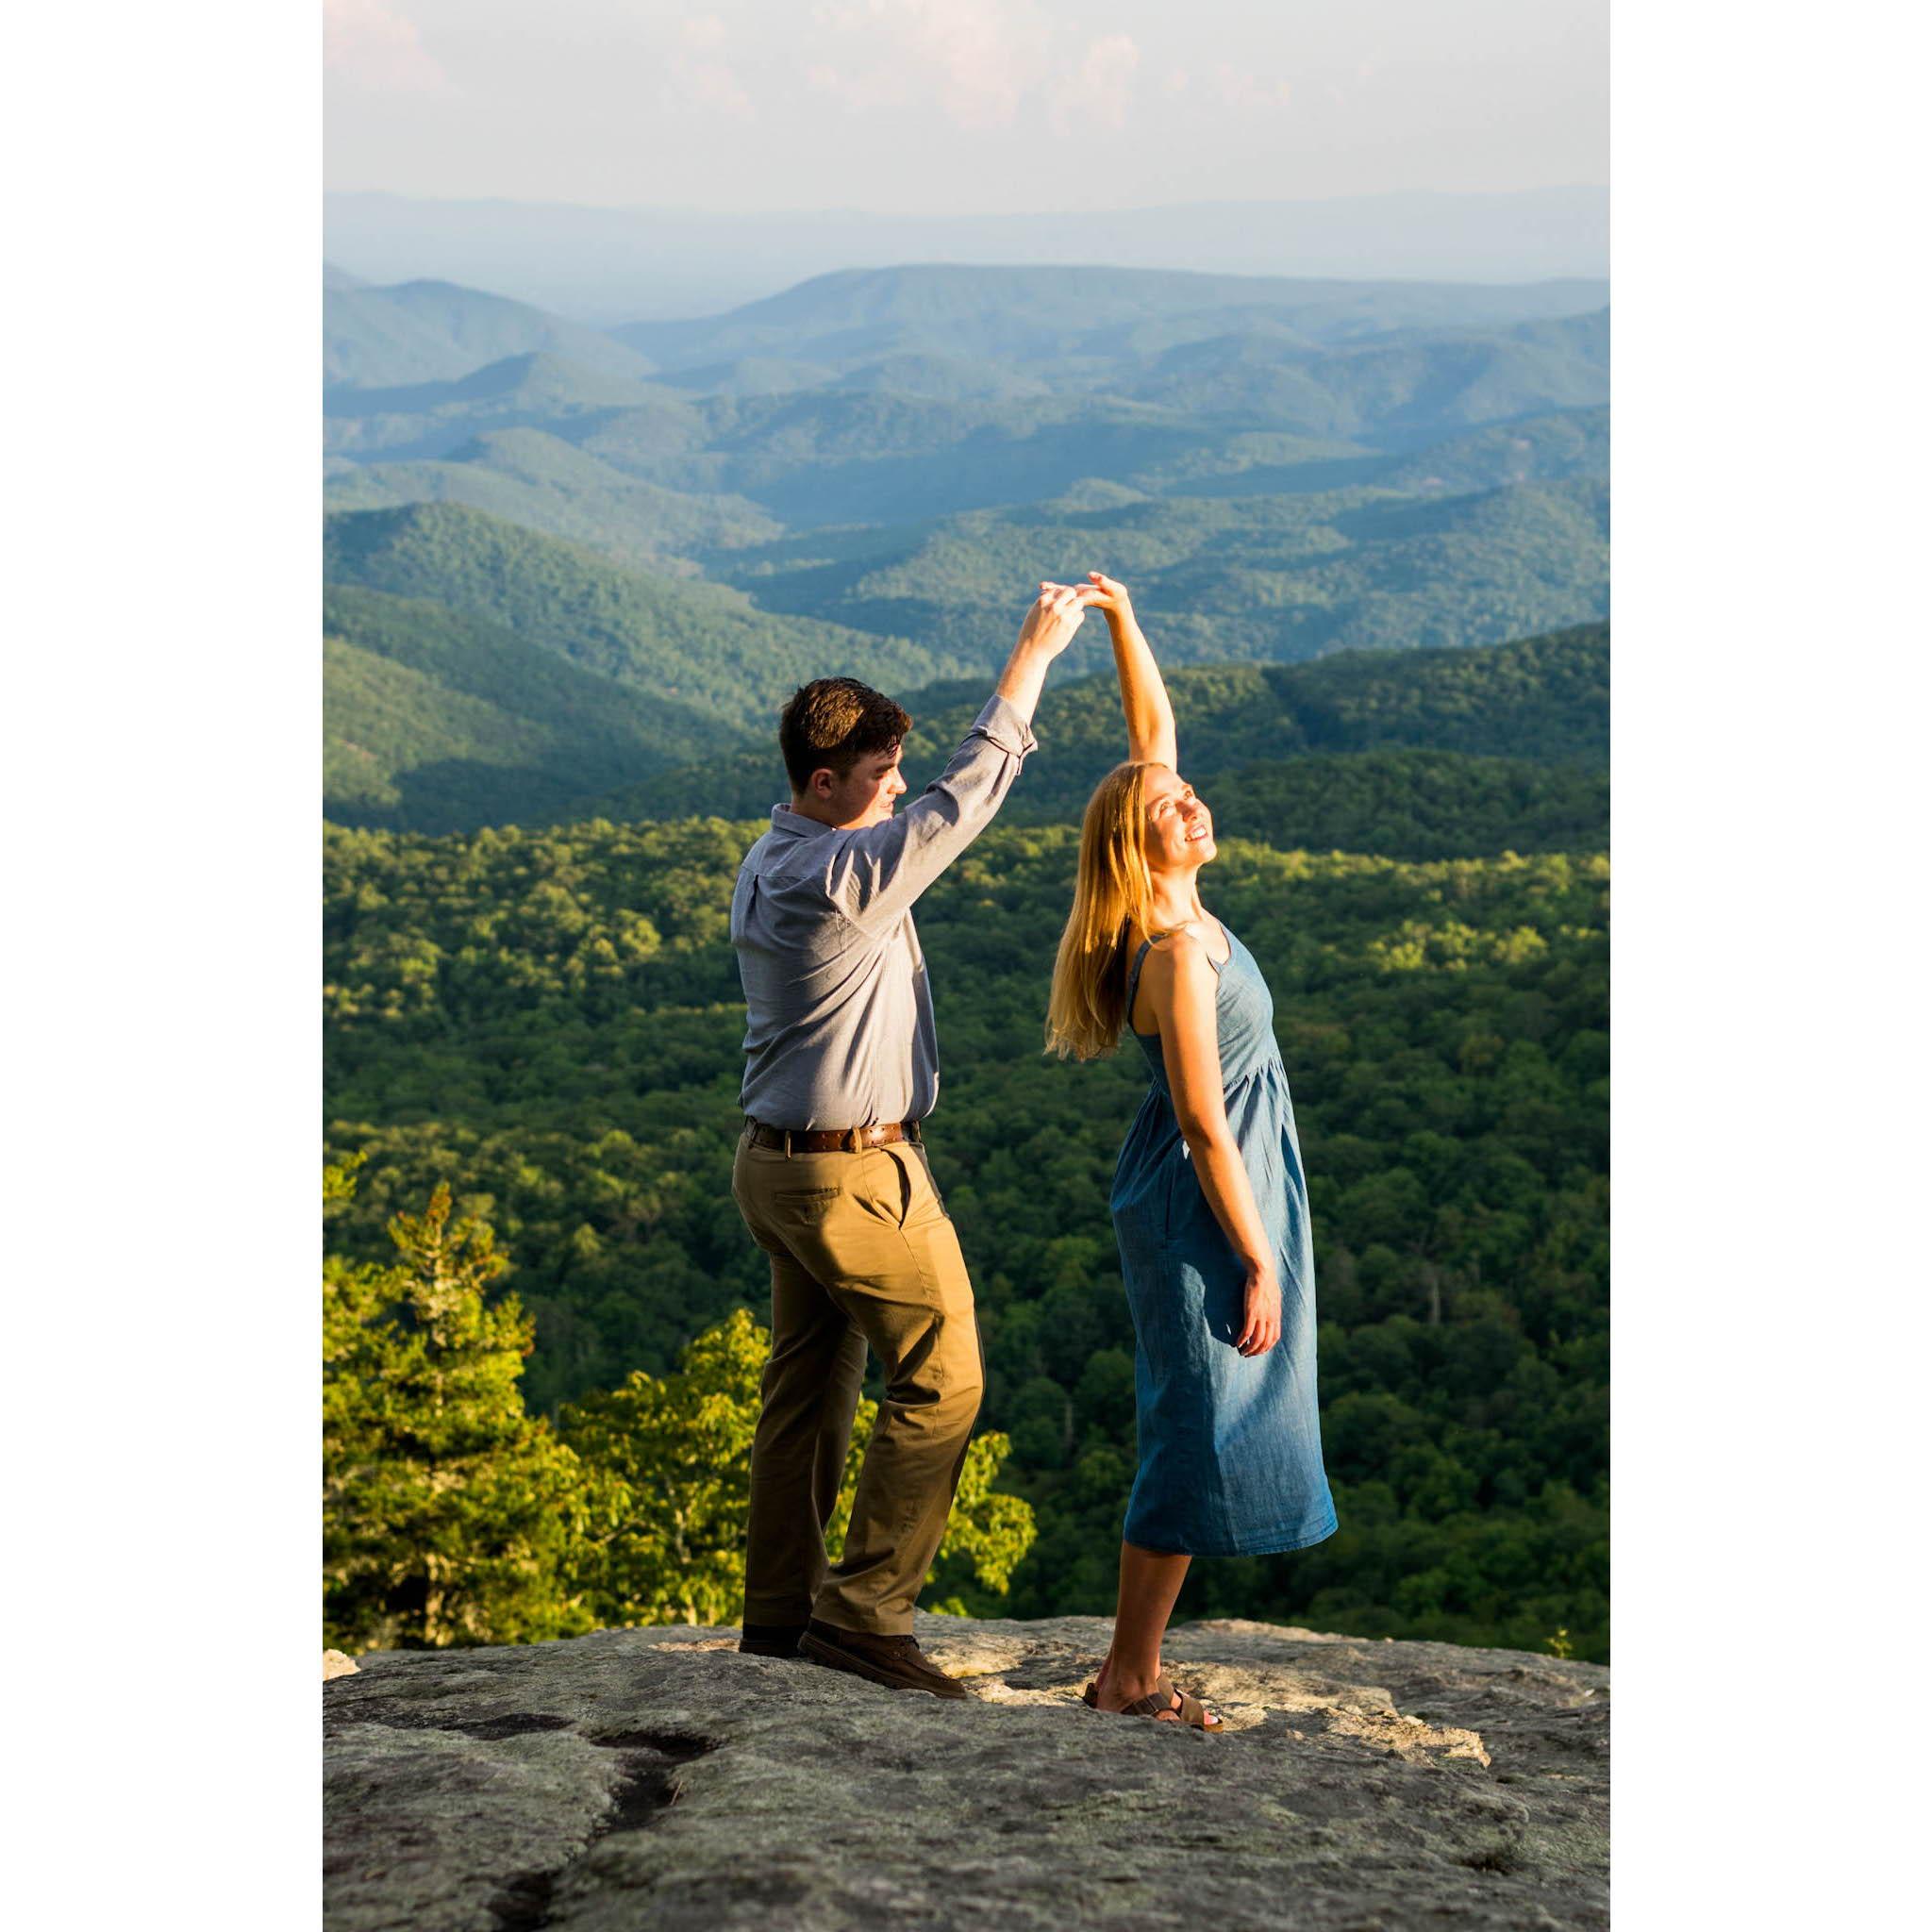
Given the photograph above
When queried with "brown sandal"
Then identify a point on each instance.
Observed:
(1161, 1703)
(1192, 1711)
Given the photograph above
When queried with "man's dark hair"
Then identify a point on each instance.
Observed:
(834, 722)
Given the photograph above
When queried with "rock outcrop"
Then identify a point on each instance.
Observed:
(659, 1778)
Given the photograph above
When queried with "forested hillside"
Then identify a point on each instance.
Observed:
(426, 331)
(703, 648)
(1226, 578)
(1503, 718)
(550, 1021)
(494, 677)
(437, 721)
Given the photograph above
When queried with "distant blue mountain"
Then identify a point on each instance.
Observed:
(614, 265)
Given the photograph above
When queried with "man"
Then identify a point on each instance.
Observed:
(832, 1177)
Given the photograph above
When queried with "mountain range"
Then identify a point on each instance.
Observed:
(918, 392)
(566, 561)
(478, 673)
(614, 264)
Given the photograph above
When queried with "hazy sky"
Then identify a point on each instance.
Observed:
(962, 105)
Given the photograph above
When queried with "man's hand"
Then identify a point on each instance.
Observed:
(1048, 630)
(1055, 616)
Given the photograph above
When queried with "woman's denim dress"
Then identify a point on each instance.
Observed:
(1230, 1446)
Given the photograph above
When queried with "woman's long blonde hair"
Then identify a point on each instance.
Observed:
(1112, 893)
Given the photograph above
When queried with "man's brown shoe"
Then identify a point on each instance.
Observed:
(894, 1661)
(771, 1639)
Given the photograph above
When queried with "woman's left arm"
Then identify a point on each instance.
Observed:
(1181, 987)
(1143, 694)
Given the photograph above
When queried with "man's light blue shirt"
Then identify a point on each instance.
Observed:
(839, 1023)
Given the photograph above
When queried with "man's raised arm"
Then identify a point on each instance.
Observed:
(882, 870)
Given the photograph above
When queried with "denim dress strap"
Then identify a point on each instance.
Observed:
(1140, 960)
(1134, 984)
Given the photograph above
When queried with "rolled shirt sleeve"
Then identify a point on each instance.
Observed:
(879, 873)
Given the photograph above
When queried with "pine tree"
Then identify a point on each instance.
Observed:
(448, 1513)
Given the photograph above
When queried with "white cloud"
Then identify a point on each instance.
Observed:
(1105, 85)
(695, 76)
(1242, 87)
(713, 87)
(374, 45)
(975, 58)
(1111, 62)
(856, 92)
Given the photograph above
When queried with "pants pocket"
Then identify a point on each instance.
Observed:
(808, 1206)
(888, 1186)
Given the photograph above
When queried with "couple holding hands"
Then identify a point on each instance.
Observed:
(1209, 1203)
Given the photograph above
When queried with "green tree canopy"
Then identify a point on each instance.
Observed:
(447, 1511)
(671, 1458)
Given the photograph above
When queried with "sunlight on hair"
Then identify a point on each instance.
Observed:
(1087, 1006)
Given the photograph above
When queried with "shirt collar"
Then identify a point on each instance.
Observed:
(796, 824)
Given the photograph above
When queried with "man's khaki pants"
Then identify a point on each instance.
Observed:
(862, 1253)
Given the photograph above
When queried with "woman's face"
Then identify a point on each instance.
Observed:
(1178, 827)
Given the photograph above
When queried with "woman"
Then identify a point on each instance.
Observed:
(1209, 1204)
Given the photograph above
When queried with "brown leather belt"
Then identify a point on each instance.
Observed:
(831, 1140)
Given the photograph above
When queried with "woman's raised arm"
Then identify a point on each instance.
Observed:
(1143, 696)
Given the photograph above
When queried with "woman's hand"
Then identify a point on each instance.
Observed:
(1110, 595)
(1262, 1310)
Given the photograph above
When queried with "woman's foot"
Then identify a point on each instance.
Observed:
(1119, 1692)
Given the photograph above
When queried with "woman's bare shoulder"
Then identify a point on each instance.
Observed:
(1174, 957)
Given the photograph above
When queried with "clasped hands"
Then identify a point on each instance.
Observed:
(1056, 612)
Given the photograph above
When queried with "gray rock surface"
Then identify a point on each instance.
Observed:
(658, 1778)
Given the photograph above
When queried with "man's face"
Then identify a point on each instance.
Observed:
(865, 796)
